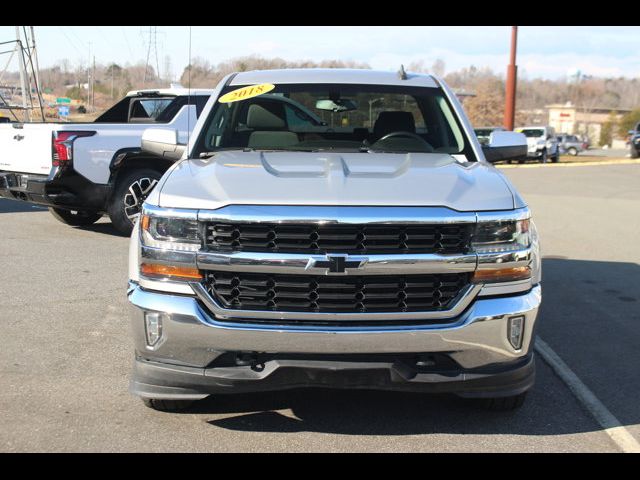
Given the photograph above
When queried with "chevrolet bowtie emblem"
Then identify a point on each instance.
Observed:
(337, 264)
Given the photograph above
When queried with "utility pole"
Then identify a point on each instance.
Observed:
(93, 90)
(36, 71)
(152, 45)
(146, 64)
(510, 97)
(89, 77)
(23, 83)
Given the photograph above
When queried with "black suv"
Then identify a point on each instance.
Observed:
(634, 142)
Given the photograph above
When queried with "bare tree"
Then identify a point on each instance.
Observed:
(487, 107)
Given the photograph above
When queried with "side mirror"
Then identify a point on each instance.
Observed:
(162, 142)
(505, 146)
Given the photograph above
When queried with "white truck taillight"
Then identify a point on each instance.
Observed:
(62, 145)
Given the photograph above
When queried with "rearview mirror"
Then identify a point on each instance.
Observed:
(505, 146)
(162, 142)
(340, 105)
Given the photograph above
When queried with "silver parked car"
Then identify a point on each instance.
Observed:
(570, 144)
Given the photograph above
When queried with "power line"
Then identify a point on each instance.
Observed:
(80, 41)
(126, 39)
(69, 40)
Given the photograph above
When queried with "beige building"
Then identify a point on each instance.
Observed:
(567, 118)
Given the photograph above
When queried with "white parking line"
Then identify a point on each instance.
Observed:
(612, 426)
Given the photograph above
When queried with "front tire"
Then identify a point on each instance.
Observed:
(572, 151)
(634, 152)
(543, 157)
(81, 218)
(130, 193)
(167, 405)
(504, 404)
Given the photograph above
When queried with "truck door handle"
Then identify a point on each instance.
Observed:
(18, 137)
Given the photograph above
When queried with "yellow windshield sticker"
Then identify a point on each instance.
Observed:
(246, 92)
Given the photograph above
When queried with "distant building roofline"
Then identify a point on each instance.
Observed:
(591, 109)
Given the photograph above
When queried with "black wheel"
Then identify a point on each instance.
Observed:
(543, 157)
(573, 151)
(634, 152)
(132, 188)
(167, 405)
(75, 218)
(504, 404)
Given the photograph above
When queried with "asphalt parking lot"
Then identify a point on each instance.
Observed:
(66, 353)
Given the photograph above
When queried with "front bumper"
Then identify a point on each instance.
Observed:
(480, 361)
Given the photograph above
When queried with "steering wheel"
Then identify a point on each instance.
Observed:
(405, 134)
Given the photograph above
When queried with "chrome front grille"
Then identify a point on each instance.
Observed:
(350, 239)
(335, 293)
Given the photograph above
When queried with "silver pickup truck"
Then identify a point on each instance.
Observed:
(335, 228)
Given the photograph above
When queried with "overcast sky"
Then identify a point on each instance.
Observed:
(547, 52)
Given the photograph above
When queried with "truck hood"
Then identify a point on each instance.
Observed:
(532, 142)
(302, 178)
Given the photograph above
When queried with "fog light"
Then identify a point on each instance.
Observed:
(516, 331)
(153, 326)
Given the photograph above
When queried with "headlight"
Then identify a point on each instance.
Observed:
(173, 236)
(169, 232)
(501, 236)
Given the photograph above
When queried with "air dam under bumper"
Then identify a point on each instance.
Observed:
(182, 365)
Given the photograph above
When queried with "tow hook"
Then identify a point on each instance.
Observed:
(251, 360)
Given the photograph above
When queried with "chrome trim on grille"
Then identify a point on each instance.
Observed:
(511, 259)
(505, 288)
(460, 303)
(504, 216)
(305, 264)
(178, 258)
(156, 211)
(165, 285)
(347, 215)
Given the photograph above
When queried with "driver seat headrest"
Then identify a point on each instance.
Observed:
(265, 116)
(388, 122)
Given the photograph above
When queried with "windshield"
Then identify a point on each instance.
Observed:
(532, 132)
(336, 117)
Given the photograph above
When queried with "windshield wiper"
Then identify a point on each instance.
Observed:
(210, 154)
(373, 150)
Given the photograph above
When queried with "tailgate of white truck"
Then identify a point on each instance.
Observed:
(26, 147)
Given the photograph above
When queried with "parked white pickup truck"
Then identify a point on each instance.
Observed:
(84, 170)
(308, 239)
